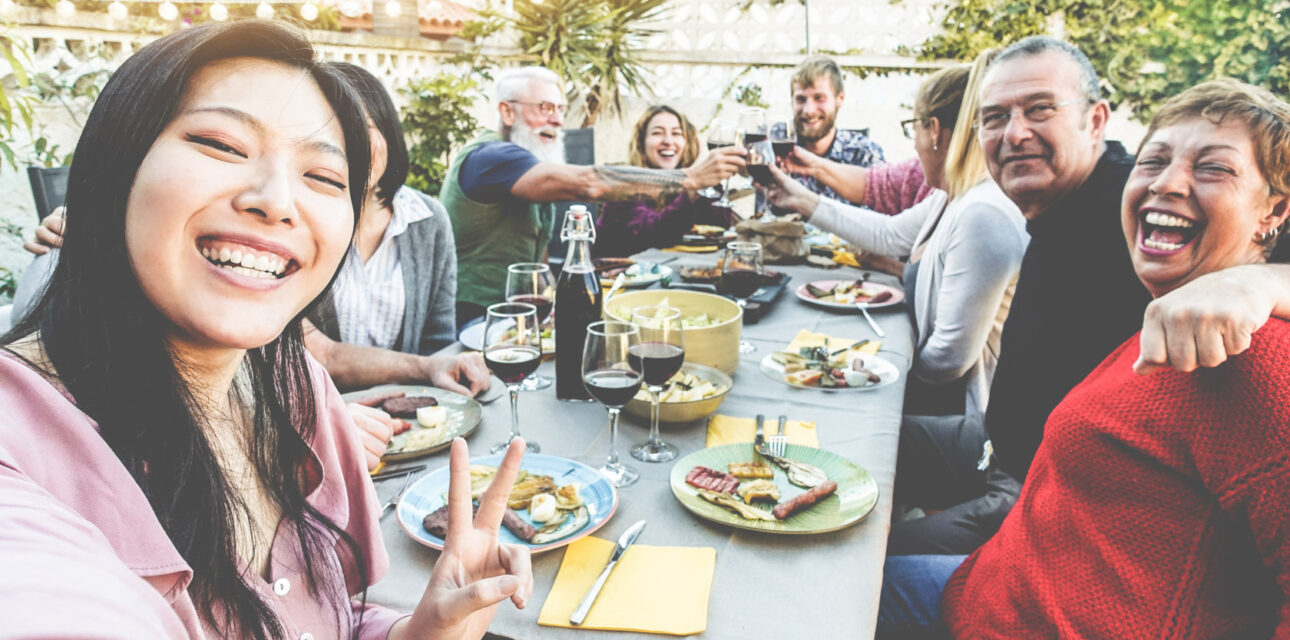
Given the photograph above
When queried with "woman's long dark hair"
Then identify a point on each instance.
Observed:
(105, 340)
(380, 108)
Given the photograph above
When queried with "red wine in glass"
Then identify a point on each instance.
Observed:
(754, 138)
(760, 173)
(741, 283)
(512, 363)
(542, 303)
(718, 145)
(782, 147)
(612, 387)
(657, 361)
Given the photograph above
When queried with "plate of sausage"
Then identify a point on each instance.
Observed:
(553, 502)
(735, 486)
(427, 418)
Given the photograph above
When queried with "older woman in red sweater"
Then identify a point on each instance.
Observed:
(1158, 506)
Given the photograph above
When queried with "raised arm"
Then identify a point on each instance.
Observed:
(849, 181)
(546, 182)
(1203, 322)
(353, 366)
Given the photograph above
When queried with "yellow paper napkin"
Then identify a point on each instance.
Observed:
(806, 338)
(653, 589)
(730, 430)
(700, 248)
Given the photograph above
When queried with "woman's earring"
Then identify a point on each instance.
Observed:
(936, 146)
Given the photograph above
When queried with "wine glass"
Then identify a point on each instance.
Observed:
(531, 282)
(722, 133)
(752, 122)
(658, 357)
(512, 351)
(783, 136)
(610, 379)
(741, 275)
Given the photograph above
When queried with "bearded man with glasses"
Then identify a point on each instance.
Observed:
(499, 190)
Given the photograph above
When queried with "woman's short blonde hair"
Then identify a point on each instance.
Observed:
(636, 154)
(1265, 116)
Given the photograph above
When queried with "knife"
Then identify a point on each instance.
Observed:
(628, 537)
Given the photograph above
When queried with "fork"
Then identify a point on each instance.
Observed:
(760, 438)
(778, 443)
(395, 500)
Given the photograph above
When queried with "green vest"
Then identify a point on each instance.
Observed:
(491, 237)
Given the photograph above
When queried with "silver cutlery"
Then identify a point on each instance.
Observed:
(395, 500)
(801, 474)
(864, 308)
(760, 439)
(397, 473)
(624, 541)
(778, 443)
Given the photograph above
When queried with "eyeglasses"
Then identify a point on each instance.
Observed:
(995, 120)
(908, 127)
(544, 108)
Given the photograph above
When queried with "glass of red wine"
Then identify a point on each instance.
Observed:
(721, 133)
(531, 282)
(756, 136)
(658, 357)
(512, 351)
(742, 270)
(783, 137)
(610, 379)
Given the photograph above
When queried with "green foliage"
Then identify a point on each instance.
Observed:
(592, 44)
(1145, 50)
(18, 104)
(436, 120)
(749, 95)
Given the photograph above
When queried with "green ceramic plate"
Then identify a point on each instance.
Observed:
(856, 495)
(464, 415)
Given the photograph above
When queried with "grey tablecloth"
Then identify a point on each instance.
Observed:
(766, 586)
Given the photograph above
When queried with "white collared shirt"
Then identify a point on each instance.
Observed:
(369, 296)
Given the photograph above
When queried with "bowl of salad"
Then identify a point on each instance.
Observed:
(712, 323)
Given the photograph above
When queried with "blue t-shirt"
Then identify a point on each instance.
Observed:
(489, 172)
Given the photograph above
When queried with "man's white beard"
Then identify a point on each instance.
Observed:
(551, 152)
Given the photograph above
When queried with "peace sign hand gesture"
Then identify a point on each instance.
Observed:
(475, 572)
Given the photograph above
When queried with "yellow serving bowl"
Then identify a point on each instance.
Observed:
(687, 411)
(716, 345)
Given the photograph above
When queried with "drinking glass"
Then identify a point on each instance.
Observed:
(741, 275)
(512, 351)
(783, 136)
(610, 379)
(658, 357)
(531, 282)
(752, 123)
(722, 133)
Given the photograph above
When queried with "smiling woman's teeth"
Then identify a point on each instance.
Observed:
(247, 263)
(1166, 232)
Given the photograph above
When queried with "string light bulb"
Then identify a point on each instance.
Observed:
(6, 6)
(393, 8)
(118, 11)
(218, 12)
(65, 8)
(168, 11)
(309, 11)
(351, 8)
(264, 11)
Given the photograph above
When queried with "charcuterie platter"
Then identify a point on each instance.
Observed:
(705, 483)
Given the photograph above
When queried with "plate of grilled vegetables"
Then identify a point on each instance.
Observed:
(553, 502)
(806, 491)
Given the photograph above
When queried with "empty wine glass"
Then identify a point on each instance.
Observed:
(742, 270)
(721, 133)
(610, 379)
(658, 357)
(531, 282)
(512, 351)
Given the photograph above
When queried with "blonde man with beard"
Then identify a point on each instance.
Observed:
(499, 189)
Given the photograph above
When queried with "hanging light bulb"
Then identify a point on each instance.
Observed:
(118, 11)
(6, 6)
(264, 11)
(218, 12)
(65, 8)
(351, 8)
(309, 11)
(393, 8)
(168, 11)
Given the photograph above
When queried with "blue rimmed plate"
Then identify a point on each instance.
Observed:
(431, 491)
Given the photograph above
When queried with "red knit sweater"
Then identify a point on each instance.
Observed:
(1157, 507)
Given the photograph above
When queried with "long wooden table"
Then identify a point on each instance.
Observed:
(766, 586)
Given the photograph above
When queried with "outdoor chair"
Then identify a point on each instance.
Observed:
(48, 188)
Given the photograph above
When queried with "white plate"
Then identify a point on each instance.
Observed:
(428, 494)
(883, 368)
(646, 274)
(464, 415)
(897, 295)
(472, 338)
